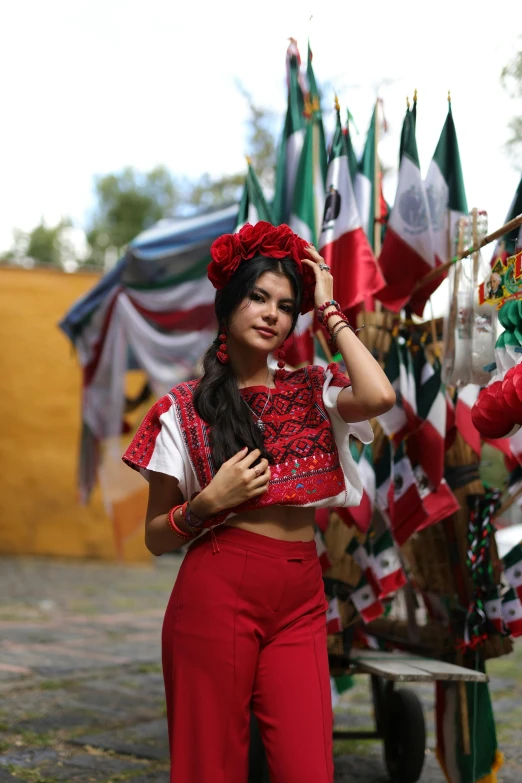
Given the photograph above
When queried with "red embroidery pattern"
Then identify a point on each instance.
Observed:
(141, 449)
(298, 435)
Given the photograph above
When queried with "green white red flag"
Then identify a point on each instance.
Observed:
(368, 180)
(405, 508)
(512, 563)
(366, 601)
(361, 515)
(352, 157)
(447, 204)
(253, 206)
(407, 251)
(399, 420)
(363, 558)
(493, 610)
(343, 243)
(439, 502)
(292, 140)
(386, 565)
(427, 444)
(512, 612)
(308, 197)
(334, 623)
(510, 243)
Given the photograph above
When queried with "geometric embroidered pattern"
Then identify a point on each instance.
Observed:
(298, 436)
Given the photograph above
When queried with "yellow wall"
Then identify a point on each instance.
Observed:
(40, 384)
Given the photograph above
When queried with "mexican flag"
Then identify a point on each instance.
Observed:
(361, 515)
(367, 180)
(366, 601)
(444, 185)
(343, 243)
(484, 761)
(322, 552)
(387, 566)
(292, 141)
(407, 250)
(333, 617)
(308, 197)
(512, 612)
(253, 206)
(512, 242)
(439, 502)
(512, 563)
(406, 509)
(364, 560)
(352, 158)
(407, 386)
(395, 422)
(493, 609)
(427, 444)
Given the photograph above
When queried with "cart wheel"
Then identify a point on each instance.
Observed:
(257, 762)
(405, 737)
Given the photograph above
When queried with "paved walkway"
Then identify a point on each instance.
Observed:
(81, 693)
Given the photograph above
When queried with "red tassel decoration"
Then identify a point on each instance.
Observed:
(222, 354)
(280, 363)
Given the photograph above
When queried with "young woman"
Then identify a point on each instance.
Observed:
(250, 454)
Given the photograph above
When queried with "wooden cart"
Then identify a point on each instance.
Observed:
(399, 716)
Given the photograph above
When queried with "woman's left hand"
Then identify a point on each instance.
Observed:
(323, 277)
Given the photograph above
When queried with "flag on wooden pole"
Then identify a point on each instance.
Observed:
(407, 251)
(308, 197)
(292, 141)
(343, 243)
(446, 194)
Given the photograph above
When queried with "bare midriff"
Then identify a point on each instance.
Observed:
(286, 523)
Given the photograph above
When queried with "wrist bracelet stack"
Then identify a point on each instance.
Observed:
(195, 523)
(178, 532)
(338, 325)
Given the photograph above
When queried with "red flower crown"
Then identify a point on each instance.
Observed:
(264, 239)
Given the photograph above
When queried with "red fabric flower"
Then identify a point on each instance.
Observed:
(224, 252)
(490, 415)
(262, 239)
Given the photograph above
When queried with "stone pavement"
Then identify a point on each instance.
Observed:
(81, 693)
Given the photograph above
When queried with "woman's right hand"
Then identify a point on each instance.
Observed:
(236, 480)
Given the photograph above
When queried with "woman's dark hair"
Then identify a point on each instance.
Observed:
(217, 399)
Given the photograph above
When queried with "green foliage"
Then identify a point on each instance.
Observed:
(43, 243)
(128, 202)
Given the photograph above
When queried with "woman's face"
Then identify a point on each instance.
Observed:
(270, 305)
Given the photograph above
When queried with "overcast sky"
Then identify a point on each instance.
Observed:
(90, 86)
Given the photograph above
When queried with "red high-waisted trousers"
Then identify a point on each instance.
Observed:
(246, 627)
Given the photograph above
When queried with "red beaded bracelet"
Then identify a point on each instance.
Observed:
(323, 307)
(173, 526)
(334, 312)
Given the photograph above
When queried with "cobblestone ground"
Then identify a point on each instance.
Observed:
(81, 693)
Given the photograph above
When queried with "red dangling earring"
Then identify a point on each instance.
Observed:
(222, 354)
(281, 364)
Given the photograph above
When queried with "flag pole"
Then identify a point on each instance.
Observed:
(439, 270)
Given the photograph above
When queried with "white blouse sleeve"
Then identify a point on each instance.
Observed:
(158, 447)
(342, 429)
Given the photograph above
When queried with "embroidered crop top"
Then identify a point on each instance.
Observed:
(304, 433)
